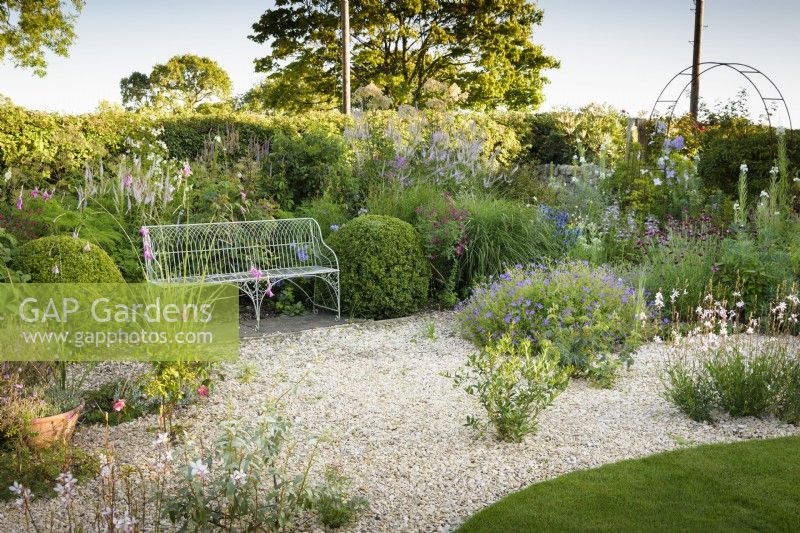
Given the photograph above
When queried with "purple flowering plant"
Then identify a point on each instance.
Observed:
(443, 229)
(586, 313)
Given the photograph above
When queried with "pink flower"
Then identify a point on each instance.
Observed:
(119, 405)
(127, 181)
(243, 195)
(144, 232)
(148, 254)
(269, 291)
(186, 171)
(46, 195)
(256, 273)
(202, 391)
(19, 202)
(35, 192)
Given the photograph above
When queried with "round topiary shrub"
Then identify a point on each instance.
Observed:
(64, 259)
(383, 270)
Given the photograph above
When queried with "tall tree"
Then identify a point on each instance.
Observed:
(29, 28)
(484, 47)
(181, 84)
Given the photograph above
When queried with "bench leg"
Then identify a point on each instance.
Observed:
(256, 290)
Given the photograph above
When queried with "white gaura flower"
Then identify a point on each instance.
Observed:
(743, 168)
(238, 477)
(199, 469)
(87, 248)
(764, 194)
(659, 301)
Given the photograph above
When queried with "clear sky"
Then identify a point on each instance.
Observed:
(617, 51)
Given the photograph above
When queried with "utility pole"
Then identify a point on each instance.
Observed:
(694, 99)
(345, 56)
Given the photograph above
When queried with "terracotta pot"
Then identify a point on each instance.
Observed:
(50, 429)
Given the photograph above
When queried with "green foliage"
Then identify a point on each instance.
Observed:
(733, 141)
(244, 481)
(742, 376)
(383, 270)
(596, 132)
(36, 145)
(181, 84)
(304, 165)
(38, 470)
(755, 272)
(64, 259)
(456, 152)
(329, 215)
(688, 388)
(501, 233)
(587, 314)
(28, 30)
(787, 403)
(514, 382)
(486, 49)
(744, 383)
(335, 507)
(172, 383)
(286, 303)
(7, 247)
(100, 403)
(682, 264)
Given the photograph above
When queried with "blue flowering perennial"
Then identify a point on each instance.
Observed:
(587, 313)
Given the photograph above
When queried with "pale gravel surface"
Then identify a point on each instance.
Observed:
(395, 425)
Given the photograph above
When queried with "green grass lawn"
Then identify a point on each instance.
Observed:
(742, 486)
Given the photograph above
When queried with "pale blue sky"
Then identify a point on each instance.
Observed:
(615, 51)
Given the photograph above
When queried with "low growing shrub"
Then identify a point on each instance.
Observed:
(514, 382)
(688, 388)
(335, 507)
(64, 259)
(384, 273)
(586, 313)
(744, 381)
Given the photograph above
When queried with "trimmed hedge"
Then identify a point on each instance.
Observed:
(64, 259)
(384, 272)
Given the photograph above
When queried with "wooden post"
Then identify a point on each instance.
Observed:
(345, 4)
(698, 36)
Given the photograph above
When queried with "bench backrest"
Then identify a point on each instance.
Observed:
(181, 251)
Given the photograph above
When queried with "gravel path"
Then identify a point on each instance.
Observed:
(395, 425)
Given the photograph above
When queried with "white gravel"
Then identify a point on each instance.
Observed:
(394, 425)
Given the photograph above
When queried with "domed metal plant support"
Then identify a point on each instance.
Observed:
(762, 84)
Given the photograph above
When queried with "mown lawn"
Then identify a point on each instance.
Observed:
(742, 486)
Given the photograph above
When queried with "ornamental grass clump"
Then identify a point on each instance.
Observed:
(587, 314)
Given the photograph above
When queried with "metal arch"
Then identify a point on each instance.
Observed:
(744, 70)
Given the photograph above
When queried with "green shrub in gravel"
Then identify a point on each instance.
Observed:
(64, 259)
(689, 389)
(383, 269)
(335, 507)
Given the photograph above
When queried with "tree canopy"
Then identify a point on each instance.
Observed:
(181, 84)
(30, 28)
(486, 48)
